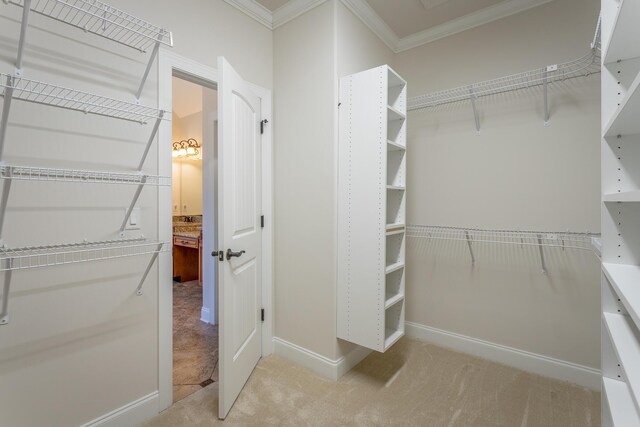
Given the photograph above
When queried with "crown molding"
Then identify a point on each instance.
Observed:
(292, 10)
(371, 19)
(255, 10)
(472, 20)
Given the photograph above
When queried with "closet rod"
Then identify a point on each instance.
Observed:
(550, 239)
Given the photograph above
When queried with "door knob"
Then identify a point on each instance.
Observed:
(231, 254)
(219, 254)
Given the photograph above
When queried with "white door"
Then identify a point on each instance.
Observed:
(239, 197)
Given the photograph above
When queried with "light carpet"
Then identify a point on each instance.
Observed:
(412, 384)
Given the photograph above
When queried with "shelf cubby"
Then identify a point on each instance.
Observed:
(395, 207)
(395, 244)
(396, 168)
(393, 324)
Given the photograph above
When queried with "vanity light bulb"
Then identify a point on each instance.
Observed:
(182, 152)
(175, 153)
(191, 151)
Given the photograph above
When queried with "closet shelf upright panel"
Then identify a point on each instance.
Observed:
(620, 212)
(371, 208)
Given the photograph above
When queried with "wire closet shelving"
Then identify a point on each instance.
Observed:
(72, 253)
(28, 173)
(98, 18)
(103, 20)
(540, 239)
(585, 66)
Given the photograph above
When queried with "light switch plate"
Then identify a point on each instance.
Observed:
(135, 220)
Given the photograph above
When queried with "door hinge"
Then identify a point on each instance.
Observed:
(262, 123)
(262, 314)
(262, 221)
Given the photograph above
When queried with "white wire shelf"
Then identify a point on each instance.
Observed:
(71, 99)
(564, 240)
(46, 256)
(28, 173)
(103, 20)
(585, 66)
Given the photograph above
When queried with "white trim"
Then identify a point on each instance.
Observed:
(371, 19)
(321, 365)
(131, 414)
(205, 315)
(168, 62)
(255, 10)
(466, 22)
(291, 10)
(524, 360)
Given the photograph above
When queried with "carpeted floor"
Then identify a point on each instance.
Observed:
(195, 343)
(412, 384)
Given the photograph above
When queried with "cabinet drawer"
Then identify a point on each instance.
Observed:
(186, 242)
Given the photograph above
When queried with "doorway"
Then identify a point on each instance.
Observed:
(195, 326)
(232, 93)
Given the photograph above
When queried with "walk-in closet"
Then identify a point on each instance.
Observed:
(320, 213)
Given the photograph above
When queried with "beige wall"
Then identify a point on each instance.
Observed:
(80, 343)
(311, 52)
(515, 174)
(304, 104)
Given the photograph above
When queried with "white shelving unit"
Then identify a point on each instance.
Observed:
(620, 213)
(371, 208)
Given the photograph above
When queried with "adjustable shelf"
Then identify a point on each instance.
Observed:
(12, 259)
(621, 408)
(97, 18)
(394, 146)
(631, 196)
(625, 280)
(371, 208)
(28, 173)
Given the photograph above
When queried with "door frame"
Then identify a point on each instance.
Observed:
(168, 63)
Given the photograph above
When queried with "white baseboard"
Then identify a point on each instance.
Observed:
(129, 415)
(205, 315)
(524, 360)
(321, 365)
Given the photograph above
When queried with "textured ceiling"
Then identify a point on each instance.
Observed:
(406, 17)
(272, 4)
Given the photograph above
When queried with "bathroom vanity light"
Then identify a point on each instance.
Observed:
(188, 148)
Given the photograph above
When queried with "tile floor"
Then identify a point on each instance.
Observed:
(195, 343)
(412, 384)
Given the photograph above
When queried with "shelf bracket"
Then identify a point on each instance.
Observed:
(545, 90)
(544, 267)
(132, 205)
(6, 188)
(6, 106)
(154, 131)
(475, 110)
(473, 258)
(4, 310)
(26, 11)
(146, 272)
(154, 53)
